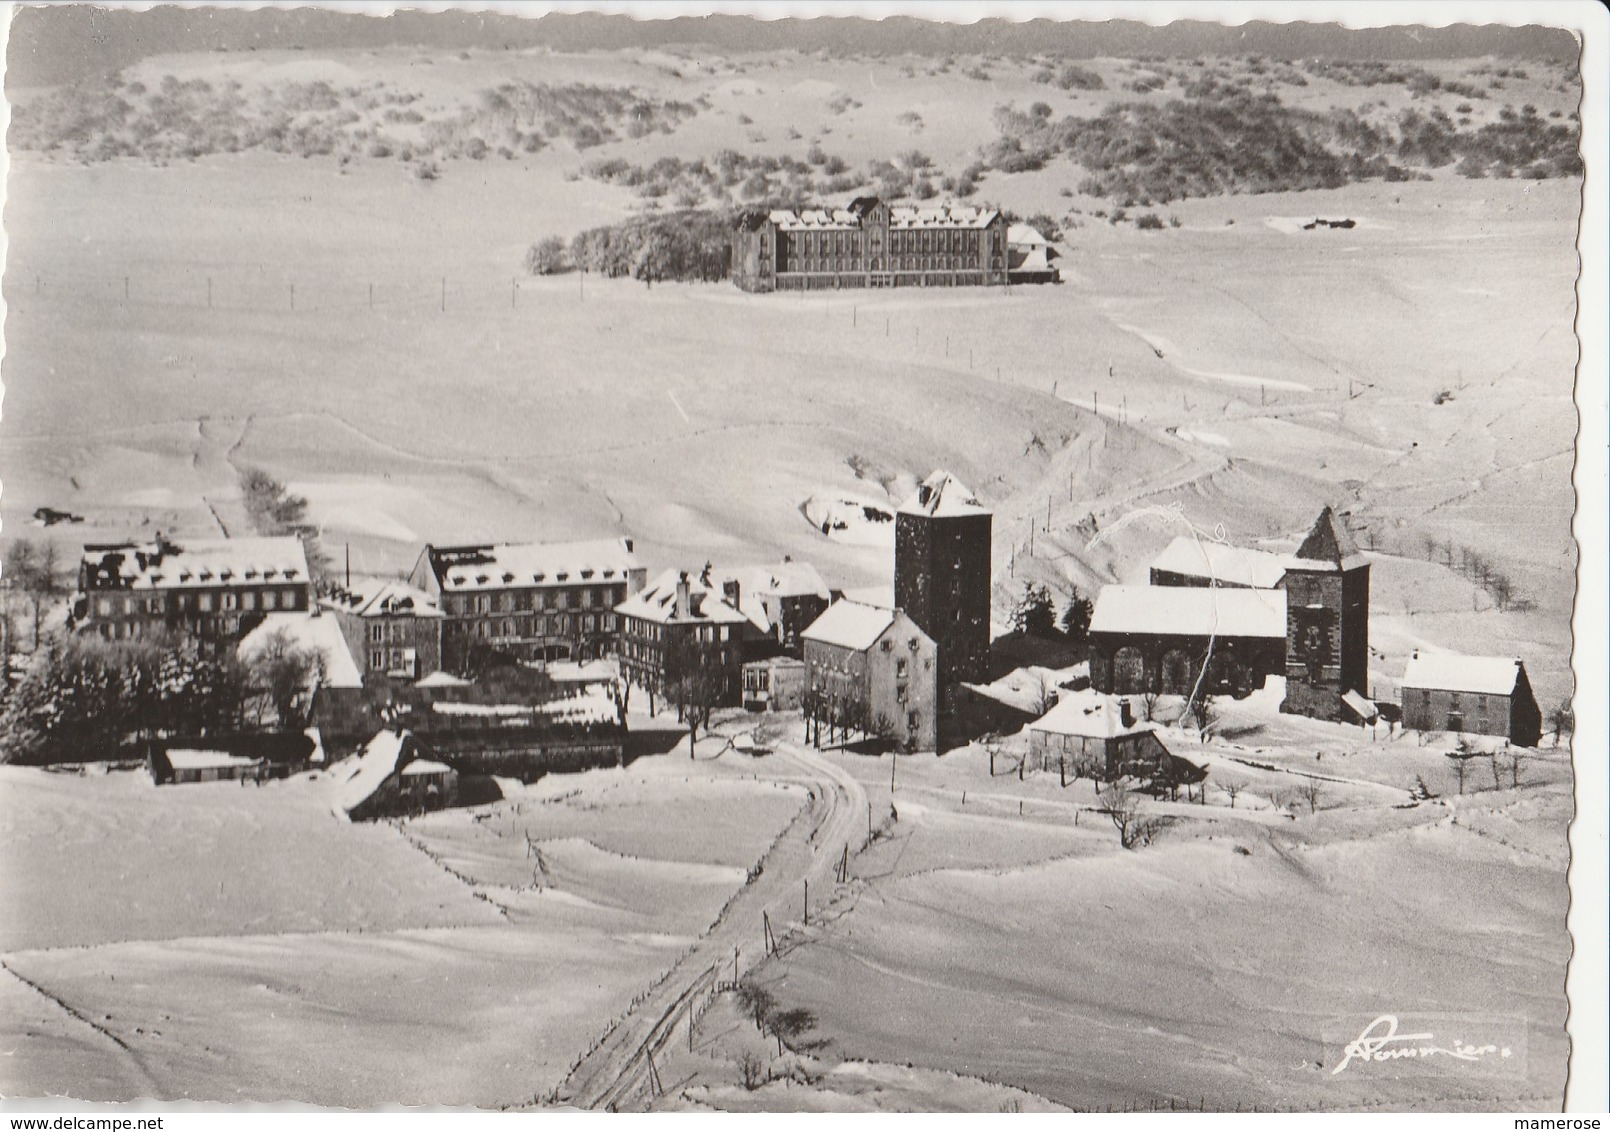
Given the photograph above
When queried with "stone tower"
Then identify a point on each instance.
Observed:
(942, 577)
(1327, 621)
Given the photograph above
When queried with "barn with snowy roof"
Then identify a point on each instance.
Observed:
(1480, 695)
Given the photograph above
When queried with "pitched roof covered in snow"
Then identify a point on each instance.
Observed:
(1089, 714)
(678, 597)
(382, 597)
(163, 564)
(464, 569)
(943, 495)
(440, 679)
(757, 583)
(185, 758)
(386, 753)
(1222, 563)
(900, 216)
(851, 625)
(1329, 546)
(1190, 611)
(317, 633)
(1450, 672)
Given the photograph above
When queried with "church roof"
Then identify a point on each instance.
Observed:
(1221, 563)
(1189, 611)
(943, 495)
(1329, 546)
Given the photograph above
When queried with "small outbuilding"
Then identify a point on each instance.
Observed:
(774, 684)
(393, 776)
(1478, 695)
(1097, 734)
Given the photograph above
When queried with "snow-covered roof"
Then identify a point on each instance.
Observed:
(756, 583)
(592, 672)
(1090, 714)
(1360, 706)
(1450, 672)
(1190, 611)
(164, 564)
(382, 597)
(945, 216)
(1024, 235)
(507, 565)
(900, 216)
(425, 766)
(942, 494)
(440, 679)
(841, 219)
(658, 602)
(1329, 546)
(594, 707)
(1024, 688)
(377, 763)
(1229, 565)
(185, 758)
(319, 633)
(850, 625)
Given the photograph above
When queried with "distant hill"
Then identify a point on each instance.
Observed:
(53, 45)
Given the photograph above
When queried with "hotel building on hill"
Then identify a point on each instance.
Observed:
(871, 243)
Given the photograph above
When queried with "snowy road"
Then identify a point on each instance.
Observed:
(619, 1073)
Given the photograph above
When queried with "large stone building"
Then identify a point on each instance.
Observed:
(214, 590)
(870, 244)
(676, 624)
(780, 601)
(942, 577)
(1185, 640)
(391, 628)
(1478, 695)
(1220, 620)
(875, 671)
(528, 601)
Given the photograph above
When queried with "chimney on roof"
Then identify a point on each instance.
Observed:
(682, 608)
(627, 543)
(730, 590)
(1126, 715)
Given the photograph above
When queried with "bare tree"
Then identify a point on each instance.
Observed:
(1311, 790)
(751, 1069)
(36, 571)
(694, 681)
(1148, 705)
(1461, 757)
(1232, 788)
(1563, 720)
(1122, 804)
(1205, 713)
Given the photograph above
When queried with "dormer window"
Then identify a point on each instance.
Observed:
(290, 575)
(206, 575)
(539, 577)
(507, 578)
(561, 576)
(480, 579)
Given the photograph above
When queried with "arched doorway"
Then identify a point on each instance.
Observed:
(1179, 674)
(1128, 671)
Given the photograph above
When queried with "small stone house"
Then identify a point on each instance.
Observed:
(872, 669)
(1478, 695)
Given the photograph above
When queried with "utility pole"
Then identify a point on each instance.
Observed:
(444, 294)
(371, 296)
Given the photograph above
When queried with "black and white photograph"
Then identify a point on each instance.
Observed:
(777, 558)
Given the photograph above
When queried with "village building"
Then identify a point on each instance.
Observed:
(678, 624)
(210, 589)
(942, 577)
(779, 601)
(176, 765)
(528, 601)
(1093, 734)
(1328, 622)
(1186, 640)
(1192, 561)
(873, 670)
(393, 776)
(776, 683)
(871, 243)
(1029, 256)
(392, 629)
(1474, 695)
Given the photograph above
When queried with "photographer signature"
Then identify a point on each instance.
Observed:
(1378, 1038)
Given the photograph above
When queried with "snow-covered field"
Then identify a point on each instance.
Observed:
(220, 942)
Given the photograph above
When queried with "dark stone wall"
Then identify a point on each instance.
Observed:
(942, 581)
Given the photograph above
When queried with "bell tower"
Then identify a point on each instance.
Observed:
(1327, 621)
